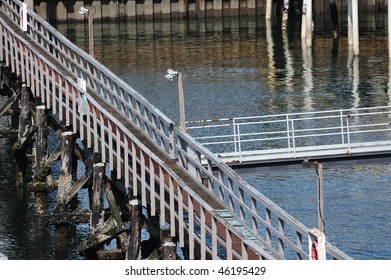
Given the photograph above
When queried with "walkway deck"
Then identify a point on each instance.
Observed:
(338, 135)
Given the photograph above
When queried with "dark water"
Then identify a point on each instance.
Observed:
(241, 67)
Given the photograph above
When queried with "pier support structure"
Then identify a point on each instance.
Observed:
(124, 218)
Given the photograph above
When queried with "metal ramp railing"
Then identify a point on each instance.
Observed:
(296, 136)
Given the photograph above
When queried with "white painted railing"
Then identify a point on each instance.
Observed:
(266, 230)
(297, 135)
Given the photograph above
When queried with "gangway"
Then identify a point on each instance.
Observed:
(212, 213)
(297, 137)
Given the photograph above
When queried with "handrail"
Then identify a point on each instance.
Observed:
(98, 78)
(293, 132)
(261, 217)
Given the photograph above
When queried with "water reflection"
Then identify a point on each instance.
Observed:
(308, 78)
(354, 73)
(247, 66)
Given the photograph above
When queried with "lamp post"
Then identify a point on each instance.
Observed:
(180, 77)
(82, 12)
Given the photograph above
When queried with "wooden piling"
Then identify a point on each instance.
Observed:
(23, 131)
(97, 195)
(306, 24)
(334, 17)
(25, 116)
(285, 13)
(65, 180)
(64, 185)
(168, 247)
(134, 241)
(269, 9)
(41, 154)
(353, 30)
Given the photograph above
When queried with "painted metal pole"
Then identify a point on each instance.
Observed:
(181, 101)
(319, 171)
(91, 32)
(269, 9)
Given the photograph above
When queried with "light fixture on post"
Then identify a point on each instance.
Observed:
(180, 76)
(83, 11)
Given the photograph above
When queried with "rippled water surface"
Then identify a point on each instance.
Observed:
(242, 67)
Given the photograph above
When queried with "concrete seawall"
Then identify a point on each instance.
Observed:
(61, 11)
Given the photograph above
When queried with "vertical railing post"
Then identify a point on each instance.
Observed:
(268, 220)
(293, 139)
(281, 232)
(288, 131)
(171, 137)
(348, 132)
(239, 144)
(235, 136)
(299, 244)
(316, 245)
(342, 128)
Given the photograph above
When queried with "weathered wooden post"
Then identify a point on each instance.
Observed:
(41, 154)
(25, 116)
(64, 185)
(134, 241)
(24, 127)
(269, 9)
(168, 247)
(334, 17)
(97, 195)
(353, 30)
(306, 23)
(285, 12)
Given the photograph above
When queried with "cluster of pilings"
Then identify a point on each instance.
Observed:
(307, 24)
(115, 217)
(166, 9)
